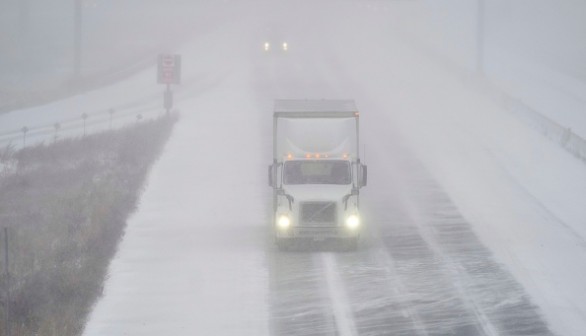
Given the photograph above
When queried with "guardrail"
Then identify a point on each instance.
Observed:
(560, 134)
(84, 124)
(564, 136)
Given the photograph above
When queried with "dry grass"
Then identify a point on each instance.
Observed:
(66, 206)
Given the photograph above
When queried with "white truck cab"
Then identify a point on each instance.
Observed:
(316, 173)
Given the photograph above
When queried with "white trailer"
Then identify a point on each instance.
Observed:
(316, 173)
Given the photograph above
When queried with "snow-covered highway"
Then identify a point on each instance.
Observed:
(198, 258)
(474, 223)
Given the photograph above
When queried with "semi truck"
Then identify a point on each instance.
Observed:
(316, 174)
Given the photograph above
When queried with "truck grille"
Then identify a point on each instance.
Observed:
(318, 214)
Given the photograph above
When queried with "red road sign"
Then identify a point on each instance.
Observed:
(169, 69)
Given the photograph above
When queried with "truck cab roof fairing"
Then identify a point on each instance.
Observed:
(316, 108)
(327, 127)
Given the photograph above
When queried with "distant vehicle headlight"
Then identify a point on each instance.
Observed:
(352, 222)
(285, 46)
(283, 222)
(267, 46)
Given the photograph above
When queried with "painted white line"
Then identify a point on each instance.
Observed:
(341, 308)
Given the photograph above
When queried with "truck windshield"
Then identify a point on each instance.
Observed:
(316, 172)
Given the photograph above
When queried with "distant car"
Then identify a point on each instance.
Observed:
(275, 40)
(274, 46)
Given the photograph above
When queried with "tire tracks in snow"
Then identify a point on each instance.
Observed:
(493, 302)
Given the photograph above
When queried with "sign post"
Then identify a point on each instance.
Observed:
(169, 72)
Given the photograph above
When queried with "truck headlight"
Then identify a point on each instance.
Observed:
(283, 222)
(352, 222)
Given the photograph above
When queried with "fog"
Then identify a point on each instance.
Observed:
(472, 124)
(39, 37)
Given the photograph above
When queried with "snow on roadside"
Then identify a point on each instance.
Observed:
(192, 261)
(557, 96)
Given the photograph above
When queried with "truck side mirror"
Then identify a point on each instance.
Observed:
(290, 198)
(271, 176)
(363, 175)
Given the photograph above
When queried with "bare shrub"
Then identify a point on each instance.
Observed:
(66, 211)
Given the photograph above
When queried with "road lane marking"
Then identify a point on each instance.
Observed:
(341, 308)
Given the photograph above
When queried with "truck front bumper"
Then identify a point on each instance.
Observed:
(317, 232)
